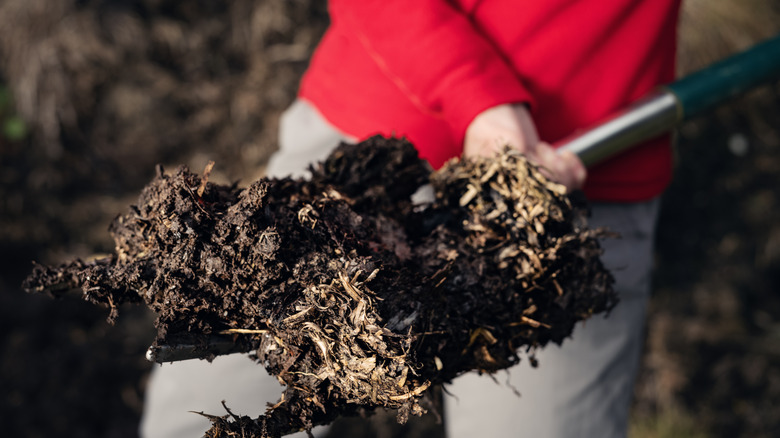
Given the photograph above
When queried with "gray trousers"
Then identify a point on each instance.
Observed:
(581, 389)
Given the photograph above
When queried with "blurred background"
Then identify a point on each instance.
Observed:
(94, 93)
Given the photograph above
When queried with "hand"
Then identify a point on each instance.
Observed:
(511, 124)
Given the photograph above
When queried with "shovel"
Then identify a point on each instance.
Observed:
(651, 116)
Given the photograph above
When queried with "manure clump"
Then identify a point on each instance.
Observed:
(349, 293)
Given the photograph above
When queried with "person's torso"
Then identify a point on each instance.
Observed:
(579, 59)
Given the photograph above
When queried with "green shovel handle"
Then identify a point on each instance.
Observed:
(733, 76)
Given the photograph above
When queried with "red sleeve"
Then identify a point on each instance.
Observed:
(435, 56)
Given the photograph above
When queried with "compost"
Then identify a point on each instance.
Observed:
(349, 292)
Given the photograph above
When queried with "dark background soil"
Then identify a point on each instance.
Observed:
(106, 89)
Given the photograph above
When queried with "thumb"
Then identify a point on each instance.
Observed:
(574, 168)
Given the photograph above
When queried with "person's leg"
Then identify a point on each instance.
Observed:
(583, 388)
(176, 389)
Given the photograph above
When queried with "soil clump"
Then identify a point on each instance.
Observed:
(351, 294)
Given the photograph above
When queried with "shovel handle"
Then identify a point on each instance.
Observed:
(667, 106)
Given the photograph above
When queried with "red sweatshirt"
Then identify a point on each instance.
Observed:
(425, 68)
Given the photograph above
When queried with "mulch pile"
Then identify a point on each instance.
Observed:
(345, 289)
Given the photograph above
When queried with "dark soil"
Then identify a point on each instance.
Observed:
(352, 295)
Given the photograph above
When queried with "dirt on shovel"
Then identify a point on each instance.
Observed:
(348, 292)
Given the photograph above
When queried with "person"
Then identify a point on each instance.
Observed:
(466, 77)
